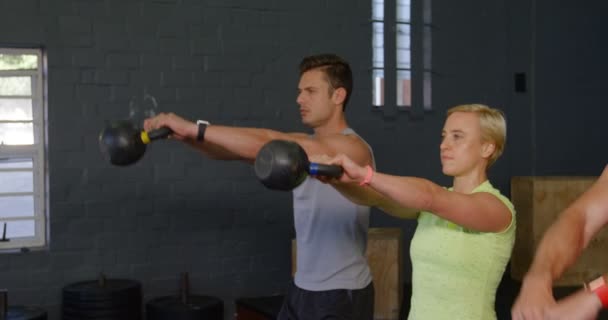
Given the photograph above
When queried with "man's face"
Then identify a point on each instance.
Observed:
(315, 98)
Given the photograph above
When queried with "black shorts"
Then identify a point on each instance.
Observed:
(300, 304)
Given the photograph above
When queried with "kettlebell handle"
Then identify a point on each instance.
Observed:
(156, 134)
(326, 170)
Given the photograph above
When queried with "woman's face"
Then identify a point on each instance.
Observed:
(462, 148)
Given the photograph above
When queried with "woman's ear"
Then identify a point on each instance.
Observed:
(487, 149)
(339, 95)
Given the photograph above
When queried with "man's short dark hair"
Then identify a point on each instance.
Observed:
(336, 69)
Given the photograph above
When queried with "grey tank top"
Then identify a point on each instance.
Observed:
(331, 236)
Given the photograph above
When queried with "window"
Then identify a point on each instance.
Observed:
(23, 191)
(401, 76)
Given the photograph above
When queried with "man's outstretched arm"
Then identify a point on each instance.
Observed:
(241, 143)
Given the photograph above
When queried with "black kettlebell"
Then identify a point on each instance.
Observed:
(122, 143)
(284, 165)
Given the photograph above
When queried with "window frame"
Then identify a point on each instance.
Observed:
(36, 151)
(421, 73)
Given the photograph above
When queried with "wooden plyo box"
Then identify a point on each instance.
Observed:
(384, 256)
(538, 202)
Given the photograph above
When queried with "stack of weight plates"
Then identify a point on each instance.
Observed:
(25, 313)
(117, 299)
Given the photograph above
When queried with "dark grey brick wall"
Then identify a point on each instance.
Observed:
(234, 62)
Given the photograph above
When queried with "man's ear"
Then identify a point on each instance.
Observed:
(488, 149)
(339, 96)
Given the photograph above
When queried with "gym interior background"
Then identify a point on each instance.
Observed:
(235, 62)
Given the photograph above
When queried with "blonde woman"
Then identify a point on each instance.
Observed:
(465, 233)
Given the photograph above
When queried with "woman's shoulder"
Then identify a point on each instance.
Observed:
(486, 186)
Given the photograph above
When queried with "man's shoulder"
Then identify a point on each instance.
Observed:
(300, 135)
(342, 138)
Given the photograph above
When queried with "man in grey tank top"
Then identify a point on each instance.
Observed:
(332, 279)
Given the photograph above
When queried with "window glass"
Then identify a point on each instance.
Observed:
(16, 134)
(15, 109)
(18, 61)
(15, 86)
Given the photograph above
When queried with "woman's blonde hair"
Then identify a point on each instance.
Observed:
(493, 126)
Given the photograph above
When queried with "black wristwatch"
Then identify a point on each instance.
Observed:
(202, 126)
